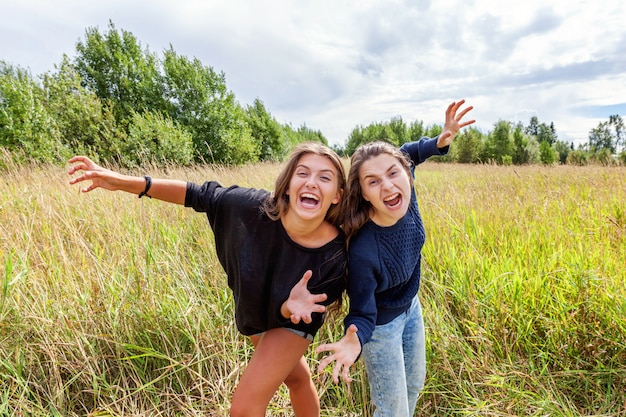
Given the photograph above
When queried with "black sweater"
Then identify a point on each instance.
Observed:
(261, 261)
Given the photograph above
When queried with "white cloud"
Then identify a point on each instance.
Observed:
(333, 65)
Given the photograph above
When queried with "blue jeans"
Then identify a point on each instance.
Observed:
(395, 361)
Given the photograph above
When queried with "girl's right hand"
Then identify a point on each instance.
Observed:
(345, 352)
(100, 177)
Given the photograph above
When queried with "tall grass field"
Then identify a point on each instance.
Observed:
(112, 305)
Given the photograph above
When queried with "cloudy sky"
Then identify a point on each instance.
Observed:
(337, 64)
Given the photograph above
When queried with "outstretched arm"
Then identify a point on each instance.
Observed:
(172, 191)
(453, 123)
(301, 303)
(345, 352)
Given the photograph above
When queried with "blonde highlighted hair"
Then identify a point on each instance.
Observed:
(278, 203)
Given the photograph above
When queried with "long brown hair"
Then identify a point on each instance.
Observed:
(277, 205)
(358, 209)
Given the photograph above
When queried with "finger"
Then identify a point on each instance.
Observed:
(76, 159)
(318, 298)
(352, 329)
(88, 188)
(319, 308)
(307, 276)
(322, 367)
(464, 112)
(322, 348)
(77, 179)
(324, 363)
(336, 370)
(345, 374)
(77, 167)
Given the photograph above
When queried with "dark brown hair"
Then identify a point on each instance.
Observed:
(358, 210)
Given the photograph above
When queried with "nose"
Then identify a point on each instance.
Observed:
(311, 183)
(387, 184)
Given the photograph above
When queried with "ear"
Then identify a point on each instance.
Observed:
(337, 197)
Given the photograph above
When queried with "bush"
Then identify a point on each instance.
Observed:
(27, 130)
(578, 158)
(155, 138)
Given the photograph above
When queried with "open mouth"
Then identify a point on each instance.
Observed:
(309, 200)
(393, 201)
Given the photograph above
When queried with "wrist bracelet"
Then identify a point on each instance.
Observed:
(148, 185)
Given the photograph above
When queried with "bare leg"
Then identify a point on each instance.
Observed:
(276, 355)
(302, 391)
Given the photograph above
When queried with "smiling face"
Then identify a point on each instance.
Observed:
(313, 187)
(386, 184)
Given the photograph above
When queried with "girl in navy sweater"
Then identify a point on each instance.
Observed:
(283, 253)
(385, 238)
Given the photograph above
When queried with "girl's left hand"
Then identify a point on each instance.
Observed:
(453, 123)
(301, 304)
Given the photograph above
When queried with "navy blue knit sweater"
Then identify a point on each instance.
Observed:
(384, 262)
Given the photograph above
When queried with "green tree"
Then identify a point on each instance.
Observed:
(541, 131)
(603, 157)
(85, 126)
(393, 131)
(499, 145)
(398, 130)
(27, 130)
(533, 126)
(155, 138)
(617, 123)
(114, 66)
(578, 157)
(562, 149)
(547, 133)
(521, 150)
(416, 131)
(361, 135)
(266, 131)
(547, 154)
(467, 146)
(306, 134)
(601, 138)
(199, 101)
(433, 130)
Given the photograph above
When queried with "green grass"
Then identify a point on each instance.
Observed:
(115, 306)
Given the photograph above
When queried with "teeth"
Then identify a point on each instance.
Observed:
(391, 197)
(311, 196)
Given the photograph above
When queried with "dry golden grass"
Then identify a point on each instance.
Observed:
(111, 305)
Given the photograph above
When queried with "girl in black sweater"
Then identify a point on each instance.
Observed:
(284, 255)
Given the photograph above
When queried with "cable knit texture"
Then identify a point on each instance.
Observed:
(384, 262)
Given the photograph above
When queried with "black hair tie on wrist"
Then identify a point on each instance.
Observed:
(148, 185)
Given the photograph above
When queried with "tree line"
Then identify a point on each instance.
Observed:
(120, 103)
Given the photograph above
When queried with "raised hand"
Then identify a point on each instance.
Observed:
(301, 304)
(345, 352)
(100, 177)
(453, 123)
